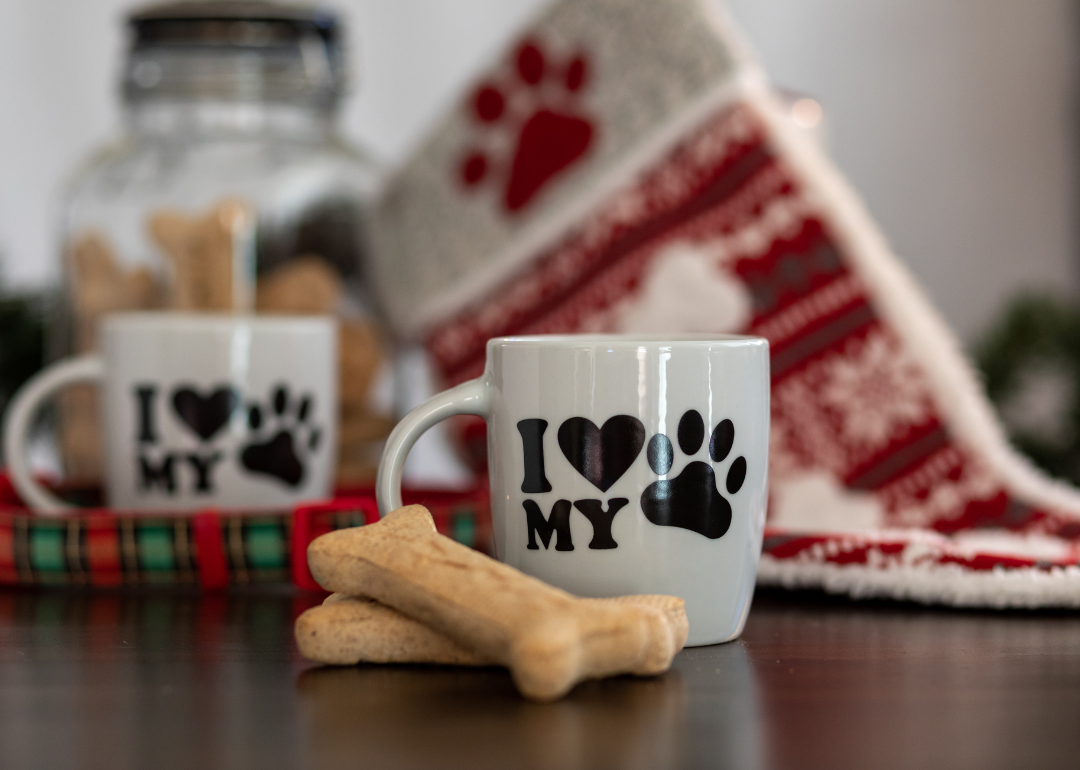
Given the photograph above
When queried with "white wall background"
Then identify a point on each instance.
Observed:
(956, 119)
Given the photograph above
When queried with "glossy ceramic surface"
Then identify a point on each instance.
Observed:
(204, 410)
(626, 465)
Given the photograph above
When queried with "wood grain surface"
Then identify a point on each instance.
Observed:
(163, 680)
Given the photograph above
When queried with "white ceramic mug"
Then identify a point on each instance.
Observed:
(621, 465)
(199, 411)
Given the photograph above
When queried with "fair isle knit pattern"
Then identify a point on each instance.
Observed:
(888, 473)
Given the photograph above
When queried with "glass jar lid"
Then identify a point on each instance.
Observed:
(234, 50)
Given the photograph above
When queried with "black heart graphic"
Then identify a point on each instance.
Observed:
(602, 455)
(205, 415)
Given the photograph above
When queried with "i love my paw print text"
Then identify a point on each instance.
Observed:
(603, 454)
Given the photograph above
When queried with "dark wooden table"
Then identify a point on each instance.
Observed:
(171, 680)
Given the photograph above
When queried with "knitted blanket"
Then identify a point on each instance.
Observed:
(626, 167)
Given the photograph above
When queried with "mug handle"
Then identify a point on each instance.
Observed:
(23, 407)
(472, 397)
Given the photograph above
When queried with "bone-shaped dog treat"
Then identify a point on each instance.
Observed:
(209, 271)
(305, 285)
(102, 284)
(548, 639)
(347, 630)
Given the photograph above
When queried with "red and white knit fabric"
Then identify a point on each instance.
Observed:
(888, 474)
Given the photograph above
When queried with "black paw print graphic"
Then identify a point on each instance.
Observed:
(283, 437)
(691, 500)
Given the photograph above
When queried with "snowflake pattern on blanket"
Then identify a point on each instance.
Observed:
(849, 402)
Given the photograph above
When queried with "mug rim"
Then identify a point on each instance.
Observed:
(630, 340)
(158, 320)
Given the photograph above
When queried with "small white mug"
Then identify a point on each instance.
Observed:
(199, 411)
(621, 465)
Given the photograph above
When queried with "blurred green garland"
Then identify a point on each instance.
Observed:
(22, 340)
(1036, 335)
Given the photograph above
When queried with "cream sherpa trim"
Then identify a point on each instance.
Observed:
(929, 583)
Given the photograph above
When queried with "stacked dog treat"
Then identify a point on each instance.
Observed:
(406, 594)
(209, 267)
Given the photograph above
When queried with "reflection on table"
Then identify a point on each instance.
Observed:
(152, 679)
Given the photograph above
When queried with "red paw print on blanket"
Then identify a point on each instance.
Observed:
(535, 108)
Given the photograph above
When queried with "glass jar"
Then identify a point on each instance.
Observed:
(228, 190)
